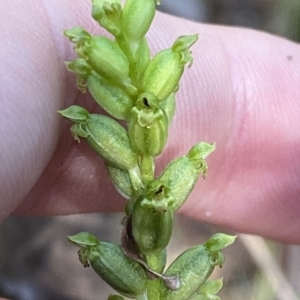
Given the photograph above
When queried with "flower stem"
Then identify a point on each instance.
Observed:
(153, 289)
(147, 167)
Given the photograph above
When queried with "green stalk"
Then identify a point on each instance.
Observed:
(153, 289)
(142, 297)
(130, 50)
(147, 167)
(156, 262)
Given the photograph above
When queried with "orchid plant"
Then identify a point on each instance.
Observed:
(140, 90)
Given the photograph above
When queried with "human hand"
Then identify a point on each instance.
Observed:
(241, 92)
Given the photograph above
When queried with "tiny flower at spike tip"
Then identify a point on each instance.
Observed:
(140, 90)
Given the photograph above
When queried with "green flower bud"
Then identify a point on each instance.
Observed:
(214, 245)
(152, 220)
(184, 43)
(199, 153)
(164, 71)
(107, 137)
(108, 14)
(157, 196)
(157, 261)
(103, 55)
(182, 173)
(110, 97)
(78, 35)
(193, 266)
(121, 181)
(209, 290)
(84, 239)
(168, 105)
(122, 273)
(98, 10)
(137, 17)
(80, 67)
(75, 113)
(140, 61)
(219, 241)
(143, 56)
(107, 59)
(111, 141)
(148, 126)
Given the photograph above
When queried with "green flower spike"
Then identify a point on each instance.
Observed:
(164, 71)
(123, 274)
(152, 219)
(148, 126)
(131, 86)
(182, 173)
(106, 136)
(194, 266)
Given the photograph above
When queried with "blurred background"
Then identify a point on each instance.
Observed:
(37, 262)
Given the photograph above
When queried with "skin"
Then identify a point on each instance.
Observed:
(242, 92)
